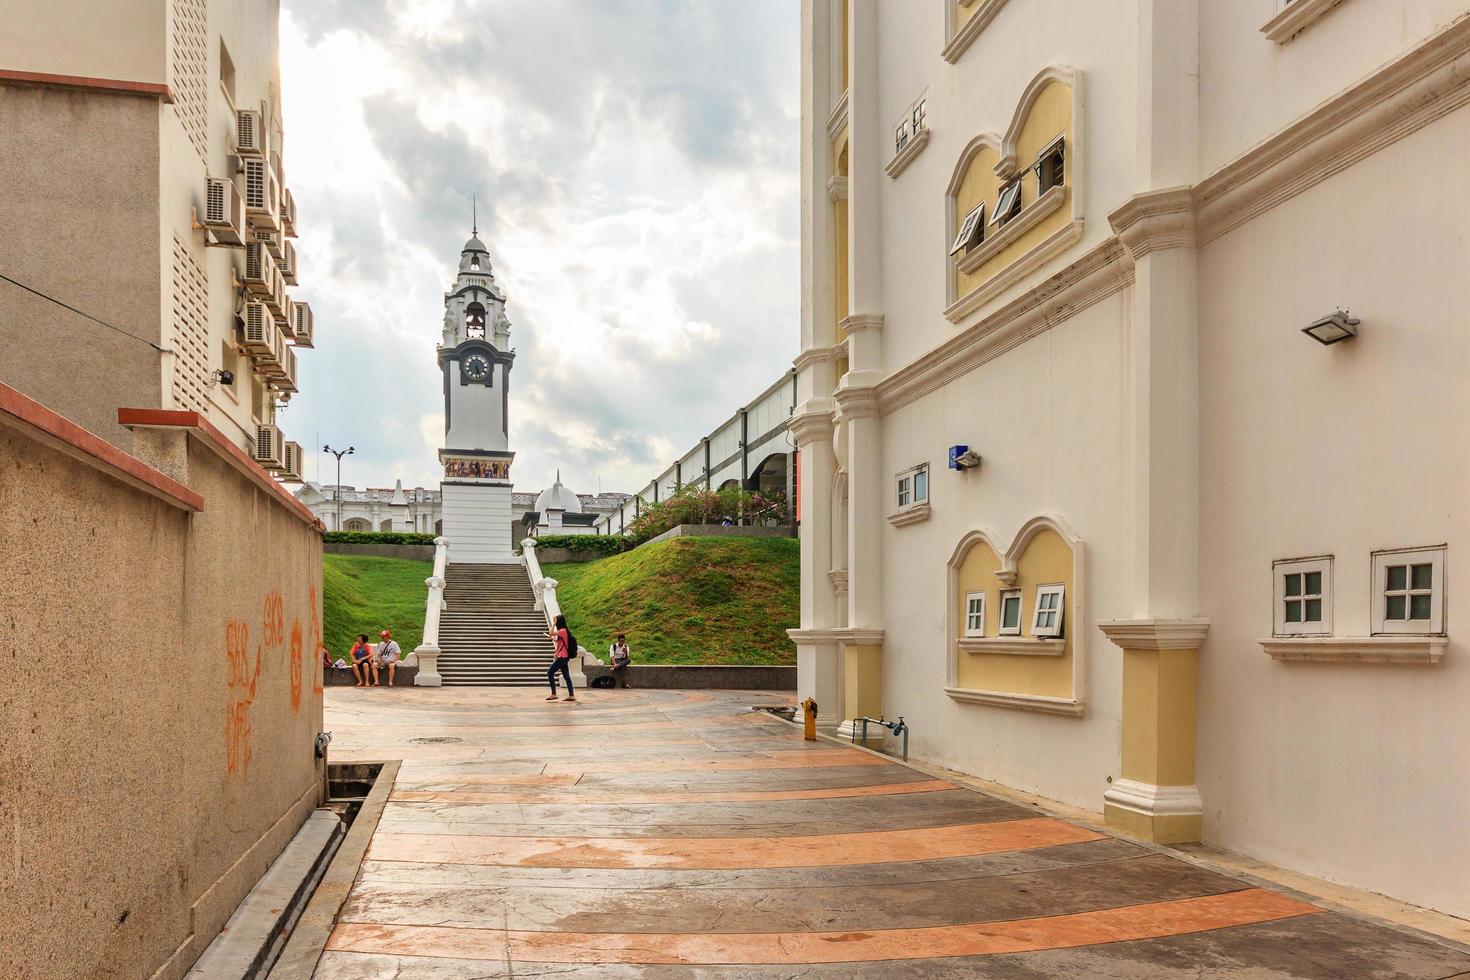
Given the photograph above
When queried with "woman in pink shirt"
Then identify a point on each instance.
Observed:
(563, 662)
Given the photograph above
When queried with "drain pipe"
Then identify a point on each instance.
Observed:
(899, 727)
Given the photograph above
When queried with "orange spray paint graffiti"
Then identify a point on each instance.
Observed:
(296, 665)
(318, 682)
(241, 683)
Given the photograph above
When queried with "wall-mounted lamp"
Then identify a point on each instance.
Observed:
(222, 376)
(963, 458)
(1331, 329)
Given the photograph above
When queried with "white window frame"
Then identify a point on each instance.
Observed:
(1053, 629)
(1280, 570)
(974, 619)
(972, 231)
(1057, 146)
(1010, 192)
(1382, 561)
(1005, 596)
(907, 483)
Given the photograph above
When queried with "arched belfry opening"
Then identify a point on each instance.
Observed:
(474, 320)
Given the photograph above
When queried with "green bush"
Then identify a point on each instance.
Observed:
(603, 544)
(377, 537)
(694, 505)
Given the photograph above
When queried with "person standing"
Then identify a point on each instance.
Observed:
(388, 654)
(618, 654)
(362, 660)
(566, 645)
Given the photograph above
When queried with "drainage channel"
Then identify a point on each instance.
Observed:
(281, 926)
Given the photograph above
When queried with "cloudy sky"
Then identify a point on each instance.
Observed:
(636, 168)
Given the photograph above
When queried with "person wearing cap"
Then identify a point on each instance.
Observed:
(388, 653)
(618, 654)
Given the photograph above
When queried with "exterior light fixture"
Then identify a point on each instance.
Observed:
(1331, 329)
(963, 458)
(223, 376)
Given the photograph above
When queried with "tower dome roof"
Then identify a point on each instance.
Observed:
(475, 245)
(558, 497)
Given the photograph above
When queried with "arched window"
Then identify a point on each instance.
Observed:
(474, 320)
(356, 524)
(475, 262)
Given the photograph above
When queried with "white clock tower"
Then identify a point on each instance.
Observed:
(475, 358)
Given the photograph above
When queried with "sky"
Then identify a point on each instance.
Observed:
(635, 163)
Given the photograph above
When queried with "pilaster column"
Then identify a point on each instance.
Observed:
(1156, 797)
(862, 645)
(818, 668)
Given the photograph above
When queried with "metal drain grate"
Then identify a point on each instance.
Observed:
(436, 740)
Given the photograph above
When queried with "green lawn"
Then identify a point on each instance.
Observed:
(688, 600)
(361, 594)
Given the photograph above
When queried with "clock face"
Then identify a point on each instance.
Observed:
(476, 367)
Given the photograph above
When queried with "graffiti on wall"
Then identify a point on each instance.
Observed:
(241, 683)
(318, 682)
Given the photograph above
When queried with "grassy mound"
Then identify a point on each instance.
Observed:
(688, 600)
(362, 594)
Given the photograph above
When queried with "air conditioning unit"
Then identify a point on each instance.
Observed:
(284, 320)
(288, 213)
(224, 212)
(285, 376)
(262, 195)
(249, 133)
(260, 269)
(288, 262)
(301, 323)
(259, 331)
(276, 298)
(271, 240)
(270, 447)
(291, 459)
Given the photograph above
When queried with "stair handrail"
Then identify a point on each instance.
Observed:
(545, 588)
(427, 652)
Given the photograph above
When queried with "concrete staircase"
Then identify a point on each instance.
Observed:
(491, 634)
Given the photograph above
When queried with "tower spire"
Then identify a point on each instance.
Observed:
(474, 215)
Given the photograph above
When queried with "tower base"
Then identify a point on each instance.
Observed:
(477, 522)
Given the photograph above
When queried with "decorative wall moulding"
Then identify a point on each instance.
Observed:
(905, 156)
(971, 303)
(859, 322)
(1156, 220)
(985, 11)
(838, 578)
(1356, 649)
(1295, 17)
(1018, 702)
(1040, 209)
(850, 635)
(836, 189)
(856, 402)
(808, 425)
(916, 514)
(1019, 646)
(1154, 801)
(1156, 634)
(837, 121)
(818, 355)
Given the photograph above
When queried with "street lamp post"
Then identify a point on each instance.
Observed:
(339, 453)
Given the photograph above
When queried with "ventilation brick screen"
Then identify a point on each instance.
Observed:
(190, 71)
(191, 330)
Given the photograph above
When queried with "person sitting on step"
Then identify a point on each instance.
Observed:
(617, 653)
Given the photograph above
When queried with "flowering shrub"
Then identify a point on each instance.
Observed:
(695, 505)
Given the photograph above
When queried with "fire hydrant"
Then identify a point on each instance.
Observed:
(809, 709)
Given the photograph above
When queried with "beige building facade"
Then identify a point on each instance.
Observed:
(1131, 409)
(147, 137)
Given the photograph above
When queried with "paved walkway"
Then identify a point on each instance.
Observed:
(678, 834)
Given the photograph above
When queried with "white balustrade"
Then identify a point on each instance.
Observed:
(545, 589)
(427, 653)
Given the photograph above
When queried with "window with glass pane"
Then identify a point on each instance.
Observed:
(921, 484)
(1302, 594)
(975, 614)
(1048, 621)
(1303, 597)
(905, 491)
(1409, 587)
(913, 487)
(1409, 592)
(1010, 613)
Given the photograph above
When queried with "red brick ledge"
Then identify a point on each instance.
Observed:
(115, 86)
(200, 427)
(37, 421)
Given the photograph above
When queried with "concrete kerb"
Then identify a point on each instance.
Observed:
(1354, 903)
(299, 958)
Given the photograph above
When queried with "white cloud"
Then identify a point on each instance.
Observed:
(635, 165)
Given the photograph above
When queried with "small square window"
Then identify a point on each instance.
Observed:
(1048, 618)
(1408, 591)
(1010, 613)
(1302, 593)
(975, 614)
(1051, 167)
(972, 230)
(901, 135)
(913, 487)
(1008, 205)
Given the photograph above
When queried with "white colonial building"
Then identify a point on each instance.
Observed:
(419, 510)
(1132, 402)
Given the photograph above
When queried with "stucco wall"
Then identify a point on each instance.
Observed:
(85, 231)
(159, 710)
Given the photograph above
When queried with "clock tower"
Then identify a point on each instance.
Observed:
(475, 359)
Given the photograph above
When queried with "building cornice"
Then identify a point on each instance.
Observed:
(837, 119)
(852, 635)
(856, 401)
(810, 423)
(1294, 18)
(1155, 220)
(859, 322)
(110, 86)
(1096, 275)
(836, 189)
(813, 356)
(1156, 634)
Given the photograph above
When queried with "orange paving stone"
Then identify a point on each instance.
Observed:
(1149, 921)
(730, 852)
(712, 796)
(808, 759)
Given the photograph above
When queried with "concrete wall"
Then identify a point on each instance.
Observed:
(85, 232)
(416, 552)
(691, 677)
(720, 531)
(160, 708)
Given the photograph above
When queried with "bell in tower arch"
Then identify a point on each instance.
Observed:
(474, 321)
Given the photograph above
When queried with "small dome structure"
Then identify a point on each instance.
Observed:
(558, 497)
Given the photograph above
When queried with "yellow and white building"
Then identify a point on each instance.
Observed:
(1182, 284)
(142, 148)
